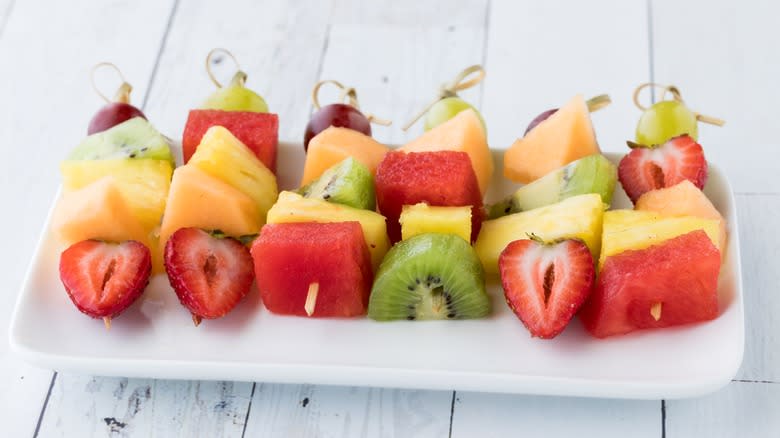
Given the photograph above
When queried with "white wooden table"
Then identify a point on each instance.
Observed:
(721, 53)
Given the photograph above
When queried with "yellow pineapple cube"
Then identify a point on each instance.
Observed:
(422, 218)
(578, 217)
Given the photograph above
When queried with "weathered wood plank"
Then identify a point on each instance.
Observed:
(760, 250)
(741, 409)
(502, 415)
(540, 54)
(323, 411)
(726, 66)
(48, 49)
(86, 406)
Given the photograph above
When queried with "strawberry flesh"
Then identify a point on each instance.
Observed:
(545, 284)
(103, 279)
(209, 274)
(658, 167)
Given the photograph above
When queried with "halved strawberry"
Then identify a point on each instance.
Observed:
(103, 279)
(210, 273)
(648, 168)
(545, 284)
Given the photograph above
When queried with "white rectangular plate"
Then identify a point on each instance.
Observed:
(156, 338)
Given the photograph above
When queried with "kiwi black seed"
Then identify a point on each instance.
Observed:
(429, 276)
(349, 183)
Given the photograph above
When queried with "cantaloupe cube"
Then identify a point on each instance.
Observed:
(565, 136)
(292, 207)
(634, 230)
(222, 155)
(683, 199)
(463, 133)
(423, 218)
(334, 145)
(199, 200)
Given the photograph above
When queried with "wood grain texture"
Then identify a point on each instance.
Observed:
(739, 410)
(397, 54)
(278, 44)
(323, 411)
(760, 250)
(726, 66)
(6, 6)
(48, 49)
(540, 54)
(502, 415)
(86, 406)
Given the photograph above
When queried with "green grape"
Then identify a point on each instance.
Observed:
(446, 109)
(664, 120)
(236, 98)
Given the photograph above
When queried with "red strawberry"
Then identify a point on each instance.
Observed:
(648, 168)
(103, 279)
(545, 284)
(210, 274)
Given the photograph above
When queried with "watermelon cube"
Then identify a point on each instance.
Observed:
(672, 283)
(258, 131)
(313, 269)
(440, 178)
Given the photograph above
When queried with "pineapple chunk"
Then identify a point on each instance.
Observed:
(578, 217)
(143, 183)
(222, 155)
(292, 207)
(633, 230)
(422, 218)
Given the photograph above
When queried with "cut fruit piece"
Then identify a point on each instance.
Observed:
(648, 168)
(592, 174)
(103, 279)
(671, 283)
(579, 217)
(563, 137)
(258, 131)
(199, 200)
(135, 138)
(440, 178)
(144, 184)
(209, 274)
(462, 133)
(313, 269)
(546, 283)
(633, 230)
(97, 211)
(430, 276)
(422, 218)
(333, 145)
(292, 207)
(222, 155)
(683, 199)
(348, 182)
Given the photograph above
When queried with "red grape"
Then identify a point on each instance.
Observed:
(539, 119)
(336, 114)
(112, 114)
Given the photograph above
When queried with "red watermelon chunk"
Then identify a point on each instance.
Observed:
(258, 131)
(680, 273)
(291, 257)
(441, 178)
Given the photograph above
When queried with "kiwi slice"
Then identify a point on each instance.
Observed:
(348, 182)
(134, 138)
(429, 276)
(592, 174)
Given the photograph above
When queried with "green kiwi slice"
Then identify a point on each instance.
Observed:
(348, 182)
(134, 138)
(429, 276)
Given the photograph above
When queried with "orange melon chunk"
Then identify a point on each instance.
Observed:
(462, 133)
(683, 199)
(565, 136)
(334, 145)
(197, 199)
